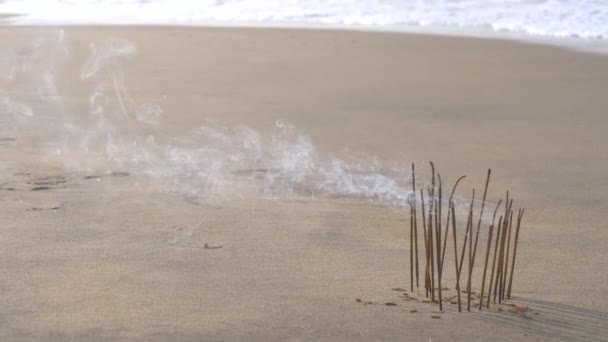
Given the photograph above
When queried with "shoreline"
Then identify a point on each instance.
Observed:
(581, 45)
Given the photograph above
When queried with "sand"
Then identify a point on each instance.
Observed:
(97, 257)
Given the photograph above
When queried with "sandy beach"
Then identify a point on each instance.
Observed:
(92, 249)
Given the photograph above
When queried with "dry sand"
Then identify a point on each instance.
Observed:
(113, 258)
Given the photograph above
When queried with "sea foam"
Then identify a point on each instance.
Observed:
(579, 19)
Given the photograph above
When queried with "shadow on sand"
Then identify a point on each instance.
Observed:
(552, 320)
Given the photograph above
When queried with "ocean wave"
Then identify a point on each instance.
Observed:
(585, 19)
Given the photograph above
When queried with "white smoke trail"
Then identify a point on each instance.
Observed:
(118, 133)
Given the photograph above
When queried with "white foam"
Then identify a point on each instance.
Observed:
(579, 19)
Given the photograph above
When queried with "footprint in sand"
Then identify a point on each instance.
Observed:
(23, 180)
(111, 174)
(6, 140)
(22, 205)
(47, 182)
(54, 206)
(182, 237)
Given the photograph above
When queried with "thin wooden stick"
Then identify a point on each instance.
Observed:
(503, 270)
(426, 247)
(499, 264)
(464, 246)
(466, 234)
(520, 215)
(431, 251)
(499, 270)
(430, 232)
(485, 266)
(507, 208)
(438, 234)
(447, 224)
(470, 229)
(494, 260)
(506, 268)
(411, 249)
(456, 256)
(473, 246)
(483, 204)
(500, 249)
(415, 225)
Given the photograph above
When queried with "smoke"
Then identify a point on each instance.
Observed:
(118, 133)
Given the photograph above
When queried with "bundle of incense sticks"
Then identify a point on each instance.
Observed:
(434, 243)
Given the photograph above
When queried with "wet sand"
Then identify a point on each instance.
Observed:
(113, 256)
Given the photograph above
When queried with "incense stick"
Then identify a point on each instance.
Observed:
(415, 224)
(438, 237)
(447, 224)
(506, 268)
(456, 256)
(411, 249)
(426, 247)
(494, 259)
(520, 215)
(470, 229)
(430, 231)
(485, 266)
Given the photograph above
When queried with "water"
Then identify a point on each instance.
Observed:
(585, 20)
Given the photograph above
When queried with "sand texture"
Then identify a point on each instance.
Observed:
(95, 245)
